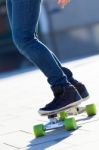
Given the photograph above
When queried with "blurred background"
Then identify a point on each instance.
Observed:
(71, 33)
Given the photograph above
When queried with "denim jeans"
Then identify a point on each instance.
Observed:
(23, 17)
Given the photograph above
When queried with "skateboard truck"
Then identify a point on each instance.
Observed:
(55, 122)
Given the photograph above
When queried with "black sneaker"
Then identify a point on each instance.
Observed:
(65, 97)
(78, 85)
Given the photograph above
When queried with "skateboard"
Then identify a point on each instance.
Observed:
(64, 118)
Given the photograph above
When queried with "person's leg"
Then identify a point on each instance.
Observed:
(24, 20)
(68, 72)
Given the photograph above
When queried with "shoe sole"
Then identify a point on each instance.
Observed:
(86, 98)
(63, 108)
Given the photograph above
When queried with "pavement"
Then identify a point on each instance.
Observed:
(23, 93)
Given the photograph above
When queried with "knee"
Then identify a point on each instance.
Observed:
(18, 39)
(22, 40)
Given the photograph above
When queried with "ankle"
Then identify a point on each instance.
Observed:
(59, 89)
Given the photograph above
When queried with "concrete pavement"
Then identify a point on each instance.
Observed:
(20, 101)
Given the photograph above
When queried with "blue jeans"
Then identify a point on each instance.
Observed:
(23, 17)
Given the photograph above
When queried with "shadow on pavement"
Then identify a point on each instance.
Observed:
(51, 138)
(87, 119)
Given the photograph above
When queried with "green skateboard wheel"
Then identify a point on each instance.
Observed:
(63, 115)
(91, 109)
(70, 124)
(39, 130)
